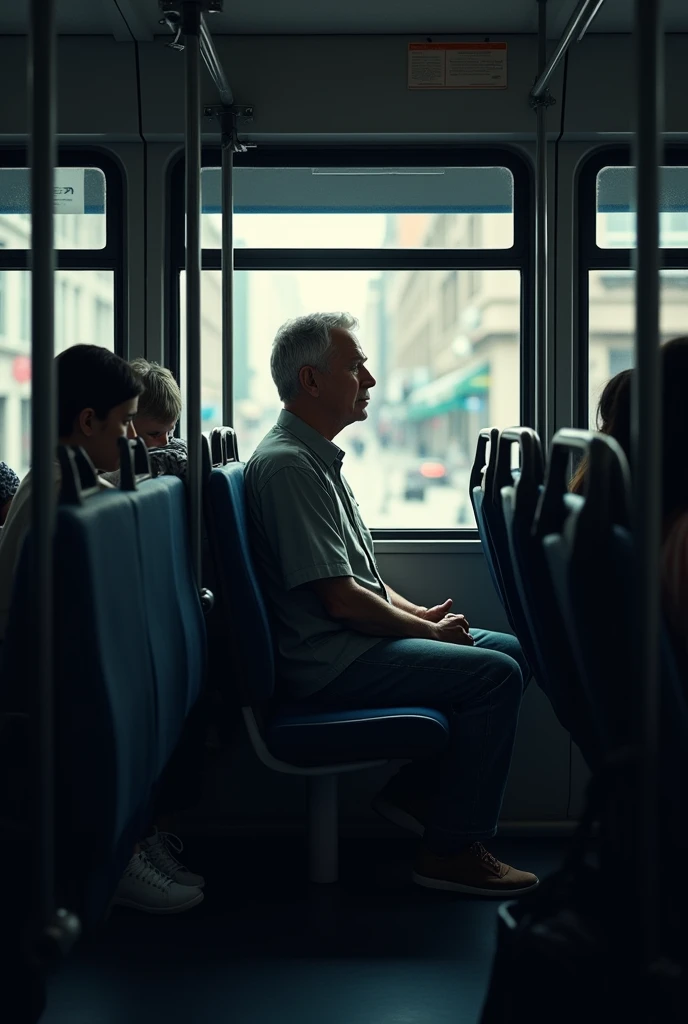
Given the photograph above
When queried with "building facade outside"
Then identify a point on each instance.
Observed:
(84, 313)
(444, 345)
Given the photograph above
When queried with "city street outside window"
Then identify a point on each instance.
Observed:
(84, 297)
(611, 284)
(430, 260)
(96, 325)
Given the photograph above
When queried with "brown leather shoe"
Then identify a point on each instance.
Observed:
(474, 871)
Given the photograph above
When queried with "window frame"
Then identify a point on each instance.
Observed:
(112, 256)
(519, 257)
(591, 256)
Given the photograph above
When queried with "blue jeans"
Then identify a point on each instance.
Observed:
(479, 688)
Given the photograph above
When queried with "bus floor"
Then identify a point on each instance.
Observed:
(266, 947)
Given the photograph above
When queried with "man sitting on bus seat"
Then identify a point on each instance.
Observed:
(9, 483)
(160, 406)
(346, 639)
(97, 395)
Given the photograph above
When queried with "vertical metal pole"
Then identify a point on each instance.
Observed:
(541, 252)
(323, 825)
(191, 20)
(227, 270)
(42, 91)
(647, 441)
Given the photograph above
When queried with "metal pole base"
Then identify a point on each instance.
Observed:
(54, 940)
(323, 829)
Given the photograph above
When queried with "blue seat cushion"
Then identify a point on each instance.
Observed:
(306, 735)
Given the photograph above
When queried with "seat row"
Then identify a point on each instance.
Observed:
(129, 665)
(130, 652)
(130, 658)
(562, 565)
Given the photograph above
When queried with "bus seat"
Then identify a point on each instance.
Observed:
(584, 561)
(226, 707)
(673, 766)
(593, 555)
(555, 666)
(296, 739)
(480, 490)
(529, 477)
(310, 736)
(105, 700)
(174, 616)
(543, 637)
(224, 445)
(206, 455)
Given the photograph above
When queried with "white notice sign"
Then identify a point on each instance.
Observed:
(457, 66)
(69, 189)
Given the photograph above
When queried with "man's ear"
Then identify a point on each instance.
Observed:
(86, 422)
(308, 381)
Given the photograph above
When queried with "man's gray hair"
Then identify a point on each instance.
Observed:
(304, 341)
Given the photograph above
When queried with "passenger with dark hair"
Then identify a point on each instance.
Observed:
(616, 392)
(9, 484)
(97, 401)
(97, 395)
(674, 356)
(675, 491)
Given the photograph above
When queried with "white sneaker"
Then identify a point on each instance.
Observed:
(158, 848)
(144, 887)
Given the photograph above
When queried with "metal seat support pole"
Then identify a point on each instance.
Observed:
(198, 43)
(191, 24)
(323, 829)
(647, 446)
(227, 121)
(42, 84)
(541, 103)
(52, 931)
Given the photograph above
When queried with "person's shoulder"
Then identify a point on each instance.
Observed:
(169, 460)
(9, 483)
(25, 483)
(177, 445)
(277, 449)
(676, 540)
(675, 560)
(23, 493)
(19, 515)
(279, 453)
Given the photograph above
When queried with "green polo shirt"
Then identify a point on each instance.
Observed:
(305, 525)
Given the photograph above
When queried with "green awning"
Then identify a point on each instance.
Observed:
(452, 391)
